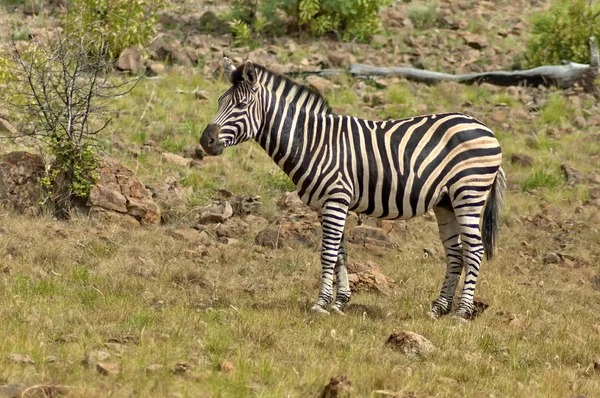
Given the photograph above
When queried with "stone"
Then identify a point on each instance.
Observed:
(596, 282)
(551, 258)
(21, 359)
(176, 159)
(498, 116)
(234, 228)
(271, 238)
(475, 41)
(7, 127)
(338, 387)
(522, 159)
(155, 68)
(93, 357)
(368, 277)
(572, 175)
(181, 367)
(341, 59)
(363, 234)
(153, 368)
(291, 201)
(171, 198)
(100, 216)
(410, 343)
(227, 367)
(246, 204)
(320, 84)
(216, 214)
(20, 175)
(108, 368)
(115, 182)
(167, 48)
(129, 60)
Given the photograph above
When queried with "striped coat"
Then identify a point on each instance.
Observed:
(387, 169)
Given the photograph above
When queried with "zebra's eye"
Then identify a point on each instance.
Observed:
(242, 104)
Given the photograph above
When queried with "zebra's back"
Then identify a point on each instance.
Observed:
(402, 168)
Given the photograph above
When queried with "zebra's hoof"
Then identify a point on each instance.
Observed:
(318, 310)
(460, 318)
(433, 315)
(337, 310)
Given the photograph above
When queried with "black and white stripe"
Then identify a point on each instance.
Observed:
(387, 169)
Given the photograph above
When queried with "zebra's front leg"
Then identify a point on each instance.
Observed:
(333, 221)
(342, 294)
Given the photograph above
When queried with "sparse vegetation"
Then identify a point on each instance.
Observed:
(351, 19)
(151, 296)
(562, 33)
(423, 14)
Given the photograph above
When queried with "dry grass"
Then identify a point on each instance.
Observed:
(148, 297)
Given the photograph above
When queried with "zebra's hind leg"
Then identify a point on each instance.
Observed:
(470, 234)
(333, 221)
(342, 294)
(450, 236)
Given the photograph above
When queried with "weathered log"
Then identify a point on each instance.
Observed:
(563, 76)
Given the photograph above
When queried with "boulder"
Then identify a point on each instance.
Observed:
(20, 175)
(129, 60)
(320, 84)
(171, 197)
(167, 48)
(368, 277)
(410, 343)
(120, 197)
(341, 59)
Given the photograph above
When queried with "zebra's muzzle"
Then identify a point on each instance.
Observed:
(210, 140)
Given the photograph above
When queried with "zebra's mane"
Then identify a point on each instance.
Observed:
(275, 79)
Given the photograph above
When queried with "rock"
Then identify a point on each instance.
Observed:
(181, 367)
(378, 41)
(475, 41)
(319, 84)
(196, 152)
(522, 159)
(100, 216)
(12, 390)
(209, 22)
(246, 204)
(51, 359)
(171, 198)
(341, 59)
(363, 234)
(7, 127)
(176, 159)
(129, 60)
(368, 277)
(572, 175)
(186, 234)
(498, 116)
(227, 367)
(410, 343)
(167, 48)
(21, 359)
(20, 175)
(233, 228)
(551, 258)
(93, 357)
(153, 368)
(108, 368)
(108, 199)
(216, 214)
(155, 68)
(291, 201)
(596, 282)
(338, 387)
(518, 114)
(271, 238)
(116, 182)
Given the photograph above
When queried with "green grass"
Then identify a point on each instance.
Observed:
(542, 178)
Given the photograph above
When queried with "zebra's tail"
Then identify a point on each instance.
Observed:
(491, 214)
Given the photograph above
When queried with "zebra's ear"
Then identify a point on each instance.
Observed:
(249, 73)
(228, 69)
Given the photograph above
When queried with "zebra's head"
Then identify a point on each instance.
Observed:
(238, 117)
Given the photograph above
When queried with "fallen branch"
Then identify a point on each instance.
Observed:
(563, 76)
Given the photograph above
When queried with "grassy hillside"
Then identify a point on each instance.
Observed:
(233, 320)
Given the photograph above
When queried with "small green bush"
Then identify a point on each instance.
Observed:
(423, 16)
(119, 23)
(542, 178)
(563, 33)
(351, 19)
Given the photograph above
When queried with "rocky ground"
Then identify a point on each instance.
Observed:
(186, 275)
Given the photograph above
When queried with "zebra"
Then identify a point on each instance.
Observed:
(393, 169)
